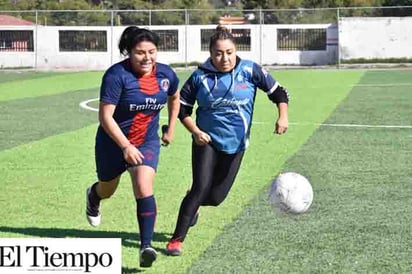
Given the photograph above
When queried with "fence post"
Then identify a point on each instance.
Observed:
(111, 35)
(338, 19)
(260, 37)
(35, 42)
(186, 44)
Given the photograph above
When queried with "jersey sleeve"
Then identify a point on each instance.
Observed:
(269, 85)
(263, 80)
(174, 84)
(111, 88)
(188, 92)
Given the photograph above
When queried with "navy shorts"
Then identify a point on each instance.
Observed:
(110, 162)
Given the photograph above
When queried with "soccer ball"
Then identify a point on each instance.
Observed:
(291, 192)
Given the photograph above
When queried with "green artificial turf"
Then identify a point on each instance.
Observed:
(359, 176)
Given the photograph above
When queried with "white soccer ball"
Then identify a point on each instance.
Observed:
(291, 192)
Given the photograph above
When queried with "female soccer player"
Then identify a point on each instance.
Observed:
(132, 94)
(224, 88)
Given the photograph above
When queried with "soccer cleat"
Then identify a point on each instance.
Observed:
(174, 247)
(147, 256)
(193, 222)
(92, 211)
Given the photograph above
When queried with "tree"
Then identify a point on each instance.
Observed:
(255, 4)
(179, 17)
(397, 11)
(397, 3)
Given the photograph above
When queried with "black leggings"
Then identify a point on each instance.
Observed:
(213, 175)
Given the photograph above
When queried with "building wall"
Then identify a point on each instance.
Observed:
(48, 55)
(372, 37)
(357, 38)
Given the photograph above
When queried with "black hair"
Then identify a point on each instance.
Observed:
(133, 35)
(222, 33)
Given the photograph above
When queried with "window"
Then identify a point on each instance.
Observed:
(242, 38)
(301, 39)
(74, 40)
(16, 40)
(169, 40)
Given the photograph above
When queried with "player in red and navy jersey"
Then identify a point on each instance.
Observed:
(132, 94)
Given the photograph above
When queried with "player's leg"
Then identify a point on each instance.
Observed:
(109, 166)
(224, 176)
(94, 194)
(142, 177)
(203, 163)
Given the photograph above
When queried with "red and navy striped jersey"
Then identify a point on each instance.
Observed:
(138, 99)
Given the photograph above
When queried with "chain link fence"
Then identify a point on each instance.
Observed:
(201, 17)
(307, 31)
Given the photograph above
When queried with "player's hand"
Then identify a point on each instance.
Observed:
(201, 138)
(132, 155)
(281, 125)
(167, 135)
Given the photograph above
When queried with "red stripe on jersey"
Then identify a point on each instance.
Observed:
(145, 214)
(148, 83)
(139, 127)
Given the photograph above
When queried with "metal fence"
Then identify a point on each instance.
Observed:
(289, 38)
(16, 40)
(201, 17)
(301, 39)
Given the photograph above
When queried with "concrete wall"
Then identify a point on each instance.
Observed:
(10, 59)
(357, 38)
(49, 56)
(316, 57)
(46, 53)
(371, 37)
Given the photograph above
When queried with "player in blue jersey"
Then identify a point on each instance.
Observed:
(224, 88)
(132, 94)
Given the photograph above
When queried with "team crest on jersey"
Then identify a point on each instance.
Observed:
(164, 85)
(248, 69)
(240, 77)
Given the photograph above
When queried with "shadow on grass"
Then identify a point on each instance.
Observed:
(128, 239)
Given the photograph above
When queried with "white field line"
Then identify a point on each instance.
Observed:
(85, 105)
(341, 125)
(352, 125)
(383, 85)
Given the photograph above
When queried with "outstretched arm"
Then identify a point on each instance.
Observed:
(200, 137)
(130, 153)
(282, 122)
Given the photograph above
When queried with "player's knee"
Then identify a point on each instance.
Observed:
(105, 190)
(105, 195)
(215, 200)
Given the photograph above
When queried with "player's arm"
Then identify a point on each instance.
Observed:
(110, 91)
(282, 122)
(187, 101)
(109, 125)
(201, 137)
(280, 96)
(276, 93)
(131, 154)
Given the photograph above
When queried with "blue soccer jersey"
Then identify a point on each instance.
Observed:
(138, 100)
(225, 101)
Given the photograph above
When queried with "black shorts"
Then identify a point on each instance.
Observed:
(110, 162)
